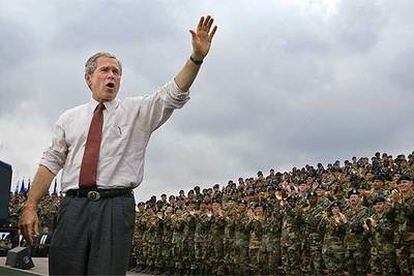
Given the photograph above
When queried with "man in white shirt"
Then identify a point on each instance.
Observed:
(101, 147)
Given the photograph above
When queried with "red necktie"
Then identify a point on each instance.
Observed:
(90, 159)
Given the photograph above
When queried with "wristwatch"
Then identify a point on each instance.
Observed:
(197, 62)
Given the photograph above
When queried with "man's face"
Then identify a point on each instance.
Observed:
(354, 199)
(105, 80)
(405, 186)
(377, 184)
(258, 211)
(313, 200)
(216, 207)
(379, 207)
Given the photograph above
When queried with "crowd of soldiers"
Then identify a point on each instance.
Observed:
(356, 218)
(48, 208)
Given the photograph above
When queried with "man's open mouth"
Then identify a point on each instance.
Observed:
(110, 85)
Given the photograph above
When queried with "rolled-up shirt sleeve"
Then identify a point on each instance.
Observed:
(55, 155)
(158, 107)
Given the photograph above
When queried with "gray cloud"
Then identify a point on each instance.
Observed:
(287, 83)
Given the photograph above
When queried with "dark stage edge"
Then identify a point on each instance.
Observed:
(10, 271)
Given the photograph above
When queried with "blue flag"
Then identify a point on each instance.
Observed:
(22, 189)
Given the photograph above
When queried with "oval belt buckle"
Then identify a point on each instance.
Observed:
(94, 195)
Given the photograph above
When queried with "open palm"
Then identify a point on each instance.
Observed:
(202, 37)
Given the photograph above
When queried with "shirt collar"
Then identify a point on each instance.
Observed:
(109, 106)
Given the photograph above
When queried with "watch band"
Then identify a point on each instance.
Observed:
(197, 62)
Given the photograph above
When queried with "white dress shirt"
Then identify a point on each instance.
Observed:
(127, 127)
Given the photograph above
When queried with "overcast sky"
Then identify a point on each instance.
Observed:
(286, 83)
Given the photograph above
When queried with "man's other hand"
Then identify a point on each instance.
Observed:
(29, 223)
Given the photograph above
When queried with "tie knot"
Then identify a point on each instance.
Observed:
(100, 107)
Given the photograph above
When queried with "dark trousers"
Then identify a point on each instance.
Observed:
(93, 237)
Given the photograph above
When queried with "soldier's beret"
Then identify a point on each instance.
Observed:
(335, 204)
(321, 186)
(141, 203)
(378, 199)
(244, 202)
(271, 188)
(365, 186)
(311, 193)
(215, 200)
(378, 177)
(354, 191)
(258, 204)
(216, 186)
(404, 177)
(291, 198)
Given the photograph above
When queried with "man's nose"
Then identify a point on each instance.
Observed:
(111, 75)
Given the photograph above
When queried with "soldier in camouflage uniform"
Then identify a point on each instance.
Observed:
(271, 235)
(138, 236)
(378, 189)
(149, 241)
(292, 237)
(177, 222)
(404, 198)
(356, 240)
(157, 241)
(255, 229)
(314, 232)
(201, 241)
(166, 247)
(229, 236)
(241, 240)
(216, 240)
(333, 250)
(190, 221)
(382, 225)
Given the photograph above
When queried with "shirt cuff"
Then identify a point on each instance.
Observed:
(52, 168)
(177, 93)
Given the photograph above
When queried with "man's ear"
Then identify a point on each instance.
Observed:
(88, 80)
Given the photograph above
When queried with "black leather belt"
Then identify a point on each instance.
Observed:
(97, 194)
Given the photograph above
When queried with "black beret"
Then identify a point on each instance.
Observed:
(404, 177)
(378, 199)
(244, 202)
(215, 200)
(336, 204)
(311, 193)
(291, 198)
(353, 192)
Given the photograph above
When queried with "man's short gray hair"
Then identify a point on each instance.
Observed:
(90, 65)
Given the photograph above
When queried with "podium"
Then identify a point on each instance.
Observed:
(5, 183)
